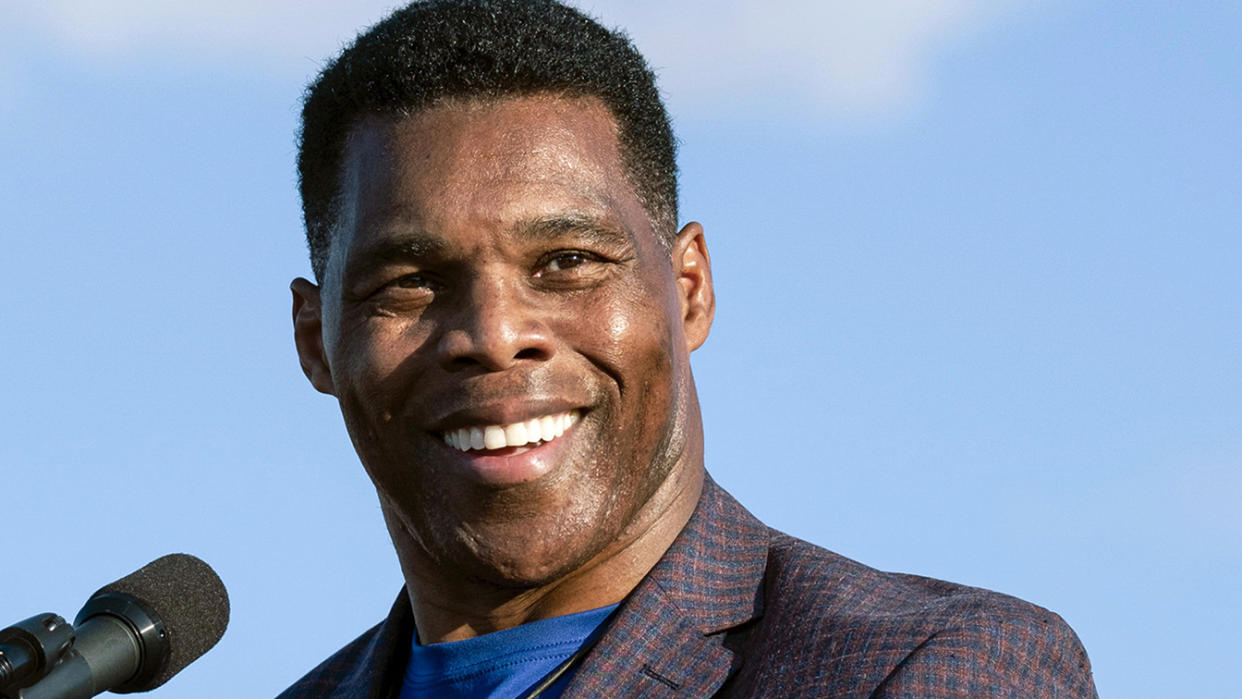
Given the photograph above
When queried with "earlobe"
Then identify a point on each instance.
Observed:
(693, 269)
(308, 334)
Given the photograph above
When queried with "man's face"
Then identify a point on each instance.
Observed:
(495, 282)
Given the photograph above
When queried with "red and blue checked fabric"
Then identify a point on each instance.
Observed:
(735, 609)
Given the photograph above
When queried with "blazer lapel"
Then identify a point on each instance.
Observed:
(650, 652)
(668, 638)
(380, 667)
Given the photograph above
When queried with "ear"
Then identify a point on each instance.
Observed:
(308, 334)
(693, 269)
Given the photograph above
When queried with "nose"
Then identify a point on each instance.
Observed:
(494, 325)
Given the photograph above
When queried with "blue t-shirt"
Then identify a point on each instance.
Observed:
(504, 664)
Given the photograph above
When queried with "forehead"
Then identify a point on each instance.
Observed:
(487, 162)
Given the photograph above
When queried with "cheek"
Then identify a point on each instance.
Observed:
(377, 361)
(618, 326)
(640, 357)
(374, 352)
(628, 322)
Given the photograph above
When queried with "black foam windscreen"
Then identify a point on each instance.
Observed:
(189, 598)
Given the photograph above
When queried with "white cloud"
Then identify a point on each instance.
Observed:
(832, 57)
(270, 35)
(846, 58)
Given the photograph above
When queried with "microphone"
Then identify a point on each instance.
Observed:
(132, 635)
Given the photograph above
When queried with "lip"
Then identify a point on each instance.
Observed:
(512, 465)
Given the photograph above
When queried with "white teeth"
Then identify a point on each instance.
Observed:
(494, 437)
(515, 433)
(539, 429)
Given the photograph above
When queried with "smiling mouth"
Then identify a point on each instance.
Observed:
(539, 430)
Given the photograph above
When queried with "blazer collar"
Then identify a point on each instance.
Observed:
(379, 672)
(668, 635)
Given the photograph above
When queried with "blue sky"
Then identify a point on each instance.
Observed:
(978, 316)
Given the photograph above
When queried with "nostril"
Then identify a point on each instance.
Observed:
(497, 361)
(464, 361)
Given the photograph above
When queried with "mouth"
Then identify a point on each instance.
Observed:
(533, 432)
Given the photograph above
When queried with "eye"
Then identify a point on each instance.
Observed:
(412, 281)
(413, 288)
(573, 268)
(565, 260)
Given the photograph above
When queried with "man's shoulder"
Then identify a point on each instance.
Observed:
(366, 666)
(327, 677)
(904, 634)
(801, 573)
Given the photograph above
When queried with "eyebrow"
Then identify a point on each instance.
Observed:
(579, 225)
(404, 247)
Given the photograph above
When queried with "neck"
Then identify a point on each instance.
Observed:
(453, 607)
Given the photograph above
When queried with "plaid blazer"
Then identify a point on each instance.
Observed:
(735, 609)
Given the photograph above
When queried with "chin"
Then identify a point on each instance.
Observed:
(520, 563)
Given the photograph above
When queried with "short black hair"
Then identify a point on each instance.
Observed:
(435, 50)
